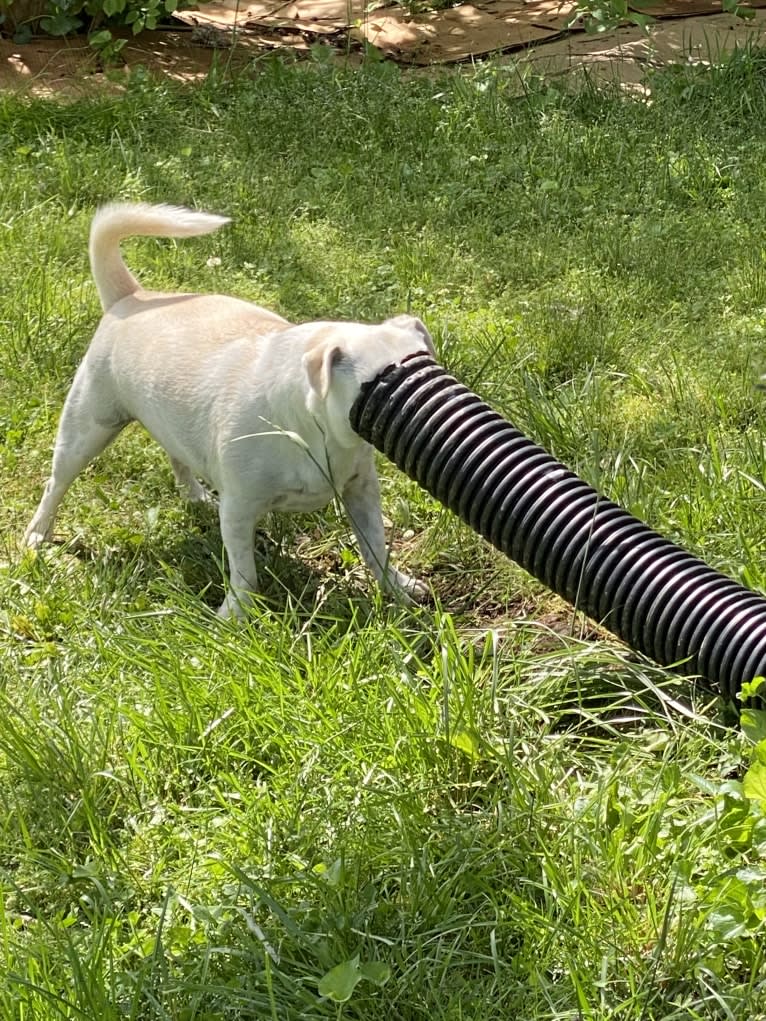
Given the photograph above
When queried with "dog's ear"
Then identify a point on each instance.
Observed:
(319, 362)
(408, 322)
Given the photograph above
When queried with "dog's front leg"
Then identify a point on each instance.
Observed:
(361, 499)
(238, 533)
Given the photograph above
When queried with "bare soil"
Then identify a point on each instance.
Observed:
(536, 34)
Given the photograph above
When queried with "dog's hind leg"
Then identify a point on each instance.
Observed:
(79, 440)
(192, 488)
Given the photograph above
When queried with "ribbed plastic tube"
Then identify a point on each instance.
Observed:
(661, 600)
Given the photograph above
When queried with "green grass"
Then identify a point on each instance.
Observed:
(493, 804)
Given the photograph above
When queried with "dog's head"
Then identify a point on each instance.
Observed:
(340, 357)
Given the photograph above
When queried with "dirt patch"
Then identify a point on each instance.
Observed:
(70, 67)
(537, 34)
(470, 30)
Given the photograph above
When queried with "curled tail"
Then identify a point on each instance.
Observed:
(119, 220)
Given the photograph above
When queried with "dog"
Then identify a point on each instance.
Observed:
(255, 406)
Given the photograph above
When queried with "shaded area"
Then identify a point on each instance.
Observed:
(66, 67)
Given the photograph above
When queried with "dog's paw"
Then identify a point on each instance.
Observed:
(34, 538)
(197, 493)
(231, 609)
(235, 605)
(408, 589)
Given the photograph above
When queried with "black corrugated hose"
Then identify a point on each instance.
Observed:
(662, 601)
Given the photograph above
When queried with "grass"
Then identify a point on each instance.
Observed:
(483, 809)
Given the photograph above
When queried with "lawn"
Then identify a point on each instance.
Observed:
(480, 809)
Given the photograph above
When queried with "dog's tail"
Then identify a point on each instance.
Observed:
(119, 220)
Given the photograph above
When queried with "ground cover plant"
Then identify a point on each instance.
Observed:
(481, 809)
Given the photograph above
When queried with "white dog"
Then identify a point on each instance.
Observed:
(236, 395)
